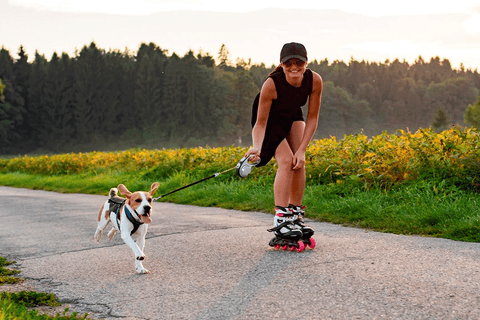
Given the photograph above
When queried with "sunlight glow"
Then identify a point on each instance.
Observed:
(410, 51)
(472, 25)
(374, 30)
(142, 7)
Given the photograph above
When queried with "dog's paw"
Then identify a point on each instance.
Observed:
(98, 235)
(143, 271)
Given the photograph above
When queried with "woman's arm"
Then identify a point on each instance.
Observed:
(267, 95)
(312, 120)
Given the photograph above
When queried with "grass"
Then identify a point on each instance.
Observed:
(419, 208)
(6, 274)
(423, 183)
(19, 305)
(435, 208)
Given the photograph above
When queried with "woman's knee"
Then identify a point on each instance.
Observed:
(285, 161)
(284, 156)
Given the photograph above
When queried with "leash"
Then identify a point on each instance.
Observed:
(194, 183)
(243, 169)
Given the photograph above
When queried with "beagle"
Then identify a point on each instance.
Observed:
(130, 216)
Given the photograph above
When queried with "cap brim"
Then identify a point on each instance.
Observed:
(293, 56)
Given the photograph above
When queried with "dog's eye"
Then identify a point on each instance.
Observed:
(149, 199)
(138, 200)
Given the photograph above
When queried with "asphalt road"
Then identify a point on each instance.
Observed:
(210, 263)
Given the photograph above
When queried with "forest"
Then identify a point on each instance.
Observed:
(106, 100)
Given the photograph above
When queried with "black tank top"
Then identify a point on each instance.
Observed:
(285, 110)
(290, 99)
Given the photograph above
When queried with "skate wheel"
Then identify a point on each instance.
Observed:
(301, 246)
(277, 247)
(292, 248)
(312, 244)
(285, 248)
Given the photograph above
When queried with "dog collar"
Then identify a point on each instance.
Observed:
(134, 221)
(129, 216)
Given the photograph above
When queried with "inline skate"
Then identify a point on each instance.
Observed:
(299, 222)
(287, 236)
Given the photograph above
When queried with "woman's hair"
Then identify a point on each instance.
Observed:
(277, 69)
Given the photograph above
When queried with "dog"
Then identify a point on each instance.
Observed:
(130, 216)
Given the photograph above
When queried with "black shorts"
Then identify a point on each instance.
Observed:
(278, 128)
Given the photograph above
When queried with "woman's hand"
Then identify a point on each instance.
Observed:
(298, 160)
(255, 153)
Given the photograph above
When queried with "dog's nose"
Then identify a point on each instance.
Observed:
(146, 209)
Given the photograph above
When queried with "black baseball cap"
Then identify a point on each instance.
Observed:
(293, 50)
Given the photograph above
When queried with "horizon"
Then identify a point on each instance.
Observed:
(337, 32)
(232, 62)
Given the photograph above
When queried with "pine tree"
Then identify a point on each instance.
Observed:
(148, 92)
(12, 111)
(58, 103)
(173, 97)
(89, 107)
(22, 74)
(223, 57)
(10, 117)
(37, 117)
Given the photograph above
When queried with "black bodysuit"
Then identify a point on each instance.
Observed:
(284, 111)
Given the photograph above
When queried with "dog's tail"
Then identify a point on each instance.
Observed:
(113, 192)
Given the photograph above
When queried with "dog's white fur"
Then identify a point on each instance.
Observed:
(139, 203)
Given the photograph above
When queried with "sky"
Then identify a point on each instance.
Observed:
(374, 30)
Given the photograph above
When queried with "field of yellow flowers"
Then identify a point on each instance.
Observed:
(389, 159)
(409, 183)
(381, 161)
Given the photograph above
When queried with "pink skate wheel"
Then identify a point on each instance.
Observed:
(292, 248)
(301, 246)
(285, 248)
(277, 247)
(312, 244)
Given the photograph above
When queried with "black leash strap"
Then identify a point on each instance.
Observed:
(192, 184)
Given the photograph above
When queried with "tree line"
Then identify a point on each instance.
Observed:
(152, 98)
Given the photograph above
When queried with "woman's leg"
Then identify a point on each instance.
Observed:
(289, 184)
(283, 178)
(297, 185)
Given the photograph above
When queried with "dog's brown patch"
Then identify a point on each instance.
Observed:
(107, 215)
(100, 213)
(132, 200)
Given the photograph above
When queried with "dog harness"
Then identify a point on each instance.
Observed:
(116, 205)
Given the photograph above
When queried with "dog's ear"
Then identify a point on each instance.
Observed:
(124, 190)
(154, 188)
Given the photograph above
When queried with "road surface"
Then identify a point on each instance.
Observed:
(211, 263)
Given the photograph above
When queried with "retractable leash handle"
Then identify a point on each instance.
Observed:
(244, 167)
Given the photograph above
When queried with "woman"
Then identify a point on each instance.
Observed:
(279, 131)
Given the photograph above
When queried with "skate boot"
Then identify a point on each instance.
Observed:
(287, 236)
(299, 214)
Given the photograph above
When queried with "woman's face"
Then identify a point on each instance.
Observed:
(294, 68)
